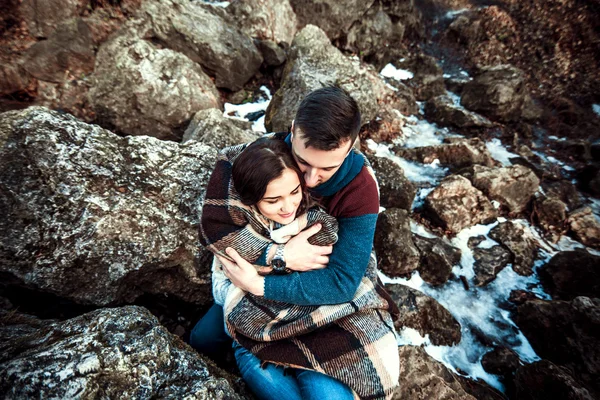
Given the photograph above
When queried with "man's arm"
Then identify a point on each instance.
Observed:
(356, 208)
(338, 282)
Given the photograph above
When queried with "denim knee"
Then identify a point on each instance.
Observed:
(316, 386)
(208, 336)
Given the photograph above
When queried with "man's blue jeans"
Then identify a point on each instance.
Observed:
(269, 383)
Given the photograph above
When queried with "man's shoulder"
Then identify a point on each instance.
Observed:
(359, 197)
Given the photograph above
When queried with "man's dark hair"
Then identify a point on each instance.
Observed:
(327, 118)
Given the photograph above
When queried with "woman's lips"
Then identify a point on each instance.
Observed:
(286, 215)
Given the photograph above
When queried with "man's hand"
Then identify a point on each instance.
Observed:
(302, 256)
(242, 274)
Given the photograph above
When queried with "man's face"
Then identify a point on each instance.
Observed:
(317, 165)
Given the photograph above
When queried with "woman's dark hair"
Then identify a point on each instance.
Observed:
(258, 164)
(327, 118)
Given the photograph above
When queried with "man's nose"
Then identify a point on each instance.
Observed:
(311, 177)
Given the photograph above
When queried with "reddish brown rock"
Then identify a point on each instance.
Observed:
(424, 314)
(585, 226)
(437, 259)
(512, 186)
(565, 333)
(570, 274)
(455, 204)
(396, 253)
(461, 153)
(521, 243)
(543, 380)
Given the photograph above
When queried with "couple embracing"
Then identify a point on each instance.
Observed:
(291, 219)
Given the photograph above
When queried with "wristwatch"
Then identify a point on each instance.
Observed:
(278, 261)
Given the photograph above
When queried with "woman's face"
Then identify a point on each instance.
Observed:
(282, 198)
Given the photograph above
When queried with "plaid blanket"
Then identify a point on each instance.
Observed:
(354, 342)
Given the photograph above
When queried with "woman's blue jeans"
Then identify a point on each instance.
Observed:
(271, 383)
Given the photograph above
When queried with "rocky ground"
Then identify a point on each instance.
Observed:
(482, 132)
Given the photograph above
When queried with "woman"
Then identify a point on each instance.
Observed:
(321, 343)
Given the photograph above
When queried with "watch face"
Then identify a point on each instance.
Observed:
(278, 264)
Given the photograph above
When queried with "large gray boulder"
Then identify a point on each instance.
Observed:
(212, 128)
(455, 204)
(334, 17)
(424, 314)
(140, 89)
(497, 92)
(207, 36)
(272, 20)
(96, 218)
(108, 353)
(513, 186)
(313, 63)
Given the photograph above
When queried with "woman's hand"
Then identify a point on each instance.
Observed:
(242, 274)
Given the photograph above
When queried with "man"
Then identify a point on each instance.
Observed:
(321, 139)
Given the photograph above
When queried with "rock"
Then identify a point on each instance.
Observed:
(314, 63)
(424, 378)
(585, 226)
(544, 380)
(395, 190)
(42, 17)
(519, 297)
(521, 243)
(488, 263)
(479, 389)
(455, 204)
(512, 186)
(396, 252)
(140, 89)
(570, 274)
(501, 361)
(422, 313)
(563, 190)
(100, 219)
(212, 128)
(565, 333)
(272, 54)
(68, 53)
(206, 37)
(272, 20)
(111, 353)
(437, 259)
(497, 92)
(333, 17)
(428, 80)
(463, 153)
(551, 214)
(375, 37)
(442, 110)
(13, 78)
